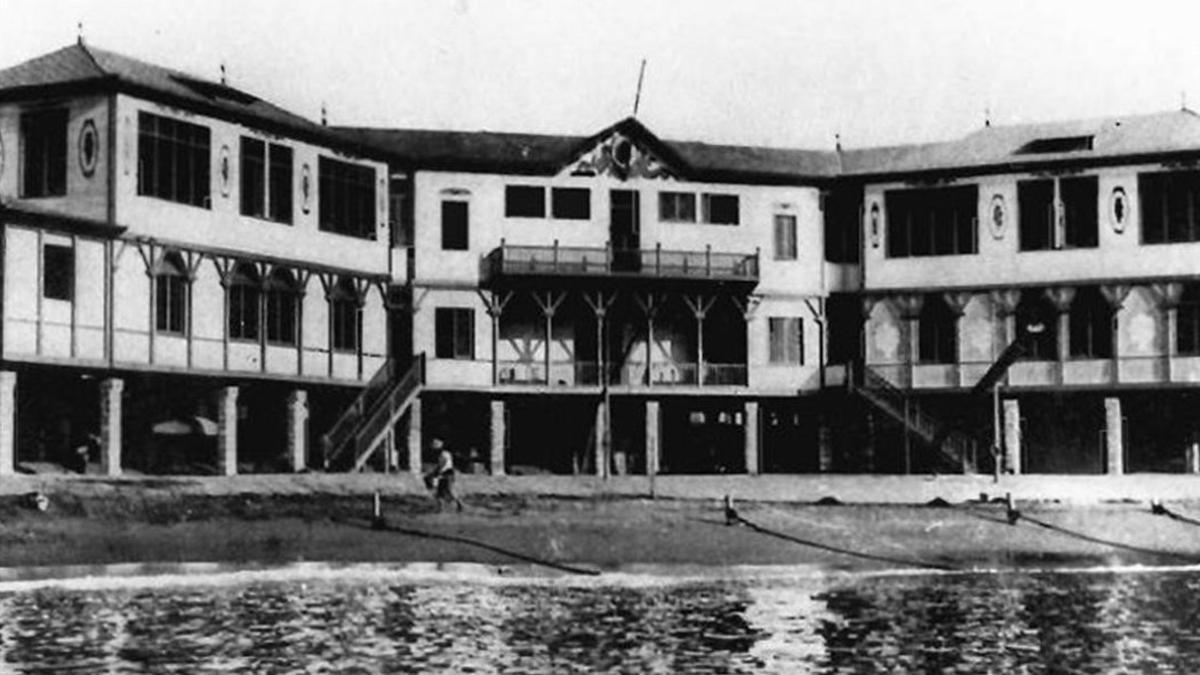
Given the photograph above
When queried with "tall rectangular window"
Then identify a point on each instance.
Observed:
(44, 147)
(174, 160)
(571, 203)
(786, 335)
(170, 311)
(677, 207)
(524, 201)
(1035, 206)
(932, 221)
(253, 173)
(843, 214)
(279, 187)
(455, 226)
(346, 321)
(281, 315)
(346, 198)
(454, 333)
(58, 272)
(1038, 226)
(785, 237)
(720, 209)
(1170, 204)
(1080, 218)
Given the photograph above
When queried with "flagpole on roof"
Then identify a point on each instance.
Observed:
(637, 99)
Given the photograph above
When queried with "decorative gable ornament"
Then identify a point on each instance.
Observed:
(619, 157)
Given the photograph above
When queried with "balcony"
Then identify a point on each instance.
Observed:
(540, 262)
(587, 373)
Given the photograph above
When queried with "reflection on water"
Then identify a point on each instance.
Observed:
(1029, 622)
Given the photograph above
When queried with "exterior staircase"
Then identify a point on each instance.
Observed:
(366, 425)
(955, 447)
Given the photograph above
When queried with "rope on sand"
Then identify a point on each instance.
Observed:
(380, 526)
(1159, 509)
(733, 517)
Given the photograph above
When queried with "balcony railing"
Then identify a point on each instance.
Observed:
(583, 373)
(580, 261)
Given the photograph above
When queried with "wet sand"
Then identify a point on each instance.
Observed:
(163, 525)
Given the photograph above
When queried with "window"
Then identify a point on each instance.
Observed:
(843, 223)
(571, 203)
(454, 333)
(1170, 206)
(173, 160)
(785, 237)
(253, 173)
(786, 335)
(244, 297)
(400, 212)
(279, 187)
(170, 295)
(455, 233)
(1090, 325)
(677, 207)
(344, 317)
(346, 196)
(1187, 332)
(1035, 309)
(1038, 231)
(1058, 144)
(282, 300)
(44, 140)
(932, 221)
(937, 339)
(58, 272)
(720, 209)
(524, 201)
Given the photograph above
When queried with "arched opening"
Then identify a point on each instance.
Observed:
(282, 300)
(245, 292)
(1091, 322)
(1037, 325)
(170, 288)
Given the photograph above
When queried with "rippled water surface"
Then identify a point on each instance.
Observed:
(1029, 622)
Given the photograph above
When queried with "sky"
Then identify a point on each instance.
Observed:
(784, 73)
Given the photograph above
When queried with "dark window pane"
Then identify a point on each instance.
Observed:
(173, 160)
(455, 223)
(721, 209)
(1035, 200)
(252, 169)
(571, 203)
(58, 272)
(44, 136)
(346, 198)
(524, 201)
(678, 207)
(1080, 212)
(280, 190)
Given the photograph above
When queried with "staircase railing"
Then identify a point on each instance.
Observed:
(393, 404)
(892, 400)
(334, 440)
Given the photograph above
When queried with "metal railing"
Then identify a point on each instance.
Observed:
(334, 440)
(558, 260)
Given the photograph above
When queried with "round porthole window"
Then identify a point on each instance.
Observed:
(1118, 211)
(89, 148)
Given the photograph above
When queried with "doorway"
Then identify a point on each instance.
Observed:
(625, 230)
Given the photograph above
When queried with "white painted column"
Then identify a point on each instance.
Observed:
(8, 422)
(1012, 436)
(297, 430)
(600, 429)
(110, 426)
(414, 437)
(1114, 436)
(499, 431)
(653, 446)
(751, 436)
(227, 431)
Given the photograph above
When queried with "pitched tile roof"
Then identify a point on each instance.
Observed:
(83, 65)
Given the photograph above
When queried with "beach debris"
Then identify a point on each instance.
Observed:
(1010, 510)
(828, 501)
(731, 514)
(1157, 508)
(37, 500)
(937, 503)
(377, 521)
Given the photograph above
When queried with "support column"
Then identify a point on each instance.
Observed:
(110, 426)
(227, 431)
(1061, 297)
(415, 443)
(1114, 441)
(1193, 458)
(653, 446)
(600, 426)
(8, 422)
(824, 445)
(1012, 436)
(297, 430)
(499, 430)
(751, 436)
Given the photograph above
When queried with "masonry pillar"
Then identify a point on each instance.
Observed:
(227, 431)
(297, 430)
(1114, 441)
(415, 442)
(751, 436)
(499, 430)
(653, 447)
(1193, 457)
(1012, 436)
(600, 426)
(110, 426)
(8, 422)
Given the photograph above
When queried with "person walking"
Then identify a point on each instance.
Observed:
(444, 476)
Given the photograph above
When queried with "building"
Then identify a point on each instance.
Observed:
(202, 280)
(191, 275)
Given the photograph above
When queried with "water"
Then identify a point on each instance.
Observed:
(361, 619)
